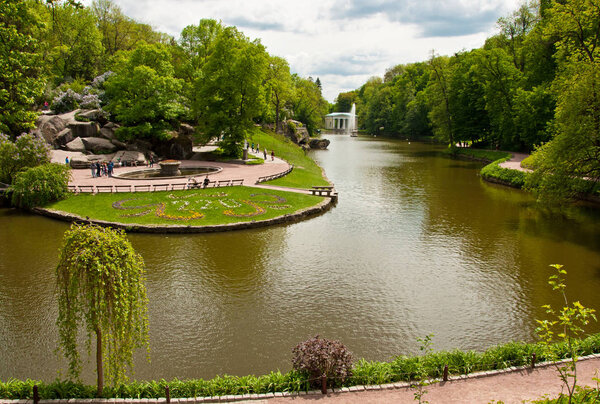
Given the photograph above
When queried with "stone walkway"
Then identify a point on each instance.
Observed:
(509, 387)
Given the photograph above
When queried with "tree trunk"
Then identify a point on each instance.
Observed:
(99, 370)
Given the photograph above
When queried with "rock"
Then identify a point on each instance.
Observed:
(49, 126)
(129, 156)
(79, 162)
(178, 147)
(319, 143)
(84, 129)
(107, 133)
(98, 144)
(118, 143)
(64, 136)
(140, 146)
(300, 136)
(76, 145)
(186, 129)
(96, 115)
(111, 125)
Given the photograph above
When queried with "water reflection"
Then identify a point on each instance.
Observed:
(417, 244)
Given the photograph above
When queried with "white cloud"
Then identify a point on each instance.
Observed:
(343, 42)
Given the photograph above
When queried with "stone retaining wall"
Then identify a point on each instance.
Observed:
(322, 207)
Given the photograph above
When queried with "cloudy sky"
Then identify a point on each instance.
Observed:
(343, 42)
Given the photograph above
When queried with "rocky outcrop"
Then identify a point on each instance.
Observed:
(98, 145)
(79, 162)
(128, 156)
(75, 145)
(107, 133)
(96, 115)
(299, 135)
(84, 129)
(63, 137)
(319, 143)
(49, 126)
(179, 147)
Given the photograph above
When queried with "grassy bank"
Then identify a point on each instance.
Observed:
(200, 207)
(306, 172)
(402, 368)
(478, 154)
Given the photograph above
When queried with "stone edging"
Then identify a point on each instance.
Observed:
(322, 207)
(242, 397)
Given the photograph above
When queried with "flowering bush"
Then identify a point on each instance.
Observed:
(90, 101)
(26, 151)
(66, 101)
(98, 81)
(319, 357)
(39, 185)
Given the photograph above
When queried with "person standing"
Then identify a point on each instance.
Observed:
(93, 167)
(265, 153)
(111, 166)
(272, 155)
(206, 181)
(98, 173)
(67, 160)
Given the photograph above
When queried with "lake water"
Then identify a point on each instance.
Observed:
(417, 244)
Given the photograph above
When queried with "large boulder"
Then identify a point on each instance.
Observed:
(107, 133)
(139, 145)
(299, 135)
(79, 162)
(186, 129)
(178, 147)
(84, 129)
(96, 115)
(75, 145)
(129, 156)
(319, 143)
(63, 137)
(98, 145)
(49, 126)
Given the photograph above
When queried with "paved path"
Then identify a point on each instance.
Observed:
(511, 387)
(515, 162)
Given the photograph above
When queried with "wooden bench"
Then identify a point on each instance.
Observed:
(122, 188)
(104, 188)
(237, 182)
(223, 183)
(178, 186)
(73, 188)
(327, 190)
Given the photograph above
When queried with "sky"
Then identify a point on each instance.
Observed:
(342, 42)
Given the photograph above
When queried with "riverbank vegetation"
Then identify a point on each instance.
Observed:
(212, 76)
(533, 86)
(202, 207)
(401, 368)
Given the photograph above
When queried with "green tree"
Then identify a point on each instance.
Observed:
(230, 89)
(25, 152)
(39, 185)
(143, 94)
(100, 285)
(308, 105)
(20, 83)
(344, 101)
(438, 95)
(279, 85)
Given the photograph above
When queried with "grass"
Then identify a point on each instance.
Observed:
(402, 368)
(203, 207)
(479, 154)
(306, 172)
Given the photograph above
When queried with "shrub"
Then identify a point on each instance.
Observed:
(39, 185)
(318, 357)
(514, 178)
(66, 101)
(26, 151)
(291, 126)
(90, 101)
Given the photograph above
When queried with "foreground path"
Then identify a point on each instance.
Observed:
(515, 162)
(510, 387)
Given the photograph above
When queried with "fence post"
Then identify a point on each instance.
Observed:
(445, 377)
(324, 384)
(533, 358)
(167, 394)
(36, 395)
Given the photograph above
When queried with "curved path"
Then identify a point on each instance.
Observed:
(512, 386)
(514, 163)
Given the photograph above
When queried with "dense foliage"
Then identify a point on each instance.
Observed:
(26, 151)
(402, 368)
(39, 185)
(536, 82)
(100, 286)
(321, 357)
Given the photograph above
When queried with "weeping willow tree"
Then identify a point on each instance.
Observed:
(100, 284)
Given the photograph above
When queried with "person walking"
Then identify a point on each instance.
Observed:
(111, 166)
(98, 169)
(265, 153)
(67, 160)
(272, 155)
(93, 167)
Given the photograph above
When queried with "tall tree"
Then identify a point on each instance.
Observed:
(230, 89)
(20, 83)
(279, 84)
(438, 91)
(308, 104)
(100, 285)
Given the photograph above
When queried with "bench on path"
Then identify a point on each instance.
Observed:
(104, 188)
(181, 186)
(86, 188)
(142, 188)
(72, 188)
(327, 190)
(237, 182)
(222, 183)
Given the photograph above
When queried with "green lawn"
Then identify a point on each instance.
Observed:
(306, 172)
(202, 207)
(487, 155)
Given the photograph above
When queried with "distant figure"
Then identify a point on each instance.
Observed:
(111, 166)
(151, 161)
(265, 153)
(272, 155)
(206, 181)
(98, 169)
(252, 146)
(93, 167)
(67, 160)
(257, 148)
(45, 105)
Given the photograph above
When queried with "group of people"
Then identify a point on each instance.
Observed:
(194, 183)
(257, 150)
(102, 169)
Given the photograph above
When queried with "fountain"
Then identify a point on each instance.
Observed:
(352, 122)
(169, 168)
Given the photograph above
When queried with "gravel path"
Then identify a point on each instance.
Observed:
(515, 162)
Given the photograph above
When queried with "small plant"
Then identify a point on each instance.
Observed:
(419, 387)
(318, 357)
(570, 321)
